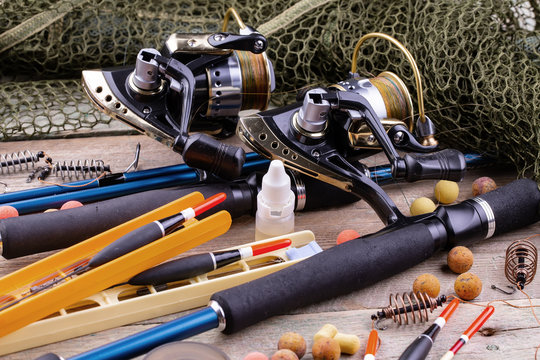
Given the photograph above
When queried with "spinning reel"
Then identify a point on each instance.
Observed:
(326, 134)
(196, 83)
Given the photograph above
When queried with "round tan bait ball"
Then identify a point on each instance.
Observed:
(422, 205)
(468, 286)
(427, 283)
(284, 354)
(446, 192)
(294, 342)
(326, 348)
(483, 185)
(460, 259)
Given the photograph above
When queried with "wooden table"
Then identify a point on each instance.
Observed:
(510, 333)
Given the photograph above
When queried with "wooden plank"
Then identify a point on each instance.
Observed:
(516, 332)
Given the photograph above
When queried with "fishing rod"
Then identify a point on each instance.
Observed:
(48, 197)
(391, 250)
(114, 185)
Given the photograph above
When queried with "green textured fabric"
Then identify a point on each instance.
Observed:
(479, 59)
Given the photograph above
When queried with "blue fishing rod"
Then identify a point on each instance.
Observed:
(50, 196)
(115, 185)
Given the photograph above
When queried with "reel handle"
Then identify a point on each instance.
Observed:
(447, 164)
(203, 152)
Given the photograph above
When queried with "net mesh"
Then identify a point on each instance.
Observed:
(479, 59)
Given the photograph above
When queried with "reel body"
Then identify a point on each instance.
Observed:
(332, 129)
(196, 84)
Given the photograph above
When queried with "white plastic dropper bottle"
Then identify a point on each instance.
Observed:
(275, 204)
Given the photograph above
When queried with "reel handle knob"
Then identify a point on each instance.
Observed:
(447, 164)
(203, 152)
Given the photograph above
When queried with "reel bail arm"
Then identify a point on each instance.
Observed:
(253, 42)
(448, 164)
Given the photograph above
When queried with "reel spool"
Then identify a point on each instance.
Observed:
(390, 99)
(243, 83)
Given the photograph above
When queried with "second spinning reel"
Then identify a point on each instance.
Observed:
(334, 127)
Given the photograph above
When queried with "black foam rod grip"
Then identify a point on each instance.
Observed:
(339, 270)
(206, 153)
(447, 164)
(35, 233)
(514, 205)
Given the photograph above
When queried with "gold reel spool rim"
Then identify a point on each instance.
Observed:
(407, 54)
(232, 12)
(408, 98)
(252, 86)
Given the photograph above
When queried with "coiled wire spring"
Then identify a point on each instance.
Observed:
(521, 262)
(17, 161)
(80, 169)
(415, 304)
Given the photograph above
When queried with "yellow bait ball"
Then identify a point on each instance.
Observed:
(427, 283)
(483, 185)
(446, 192)
(422, 205)
(328, 330)
(348, 343)
(460, 259)
(468, 286)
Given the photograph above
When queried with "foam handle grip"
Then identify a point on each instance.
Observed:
(514, 205)
(447, 164)
(203, 152)
(339, 270)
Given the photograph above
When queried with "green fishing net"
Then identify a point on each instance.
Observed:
(479, 60)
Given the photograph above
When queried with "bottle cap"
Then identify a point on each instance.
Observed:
(276, 198)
